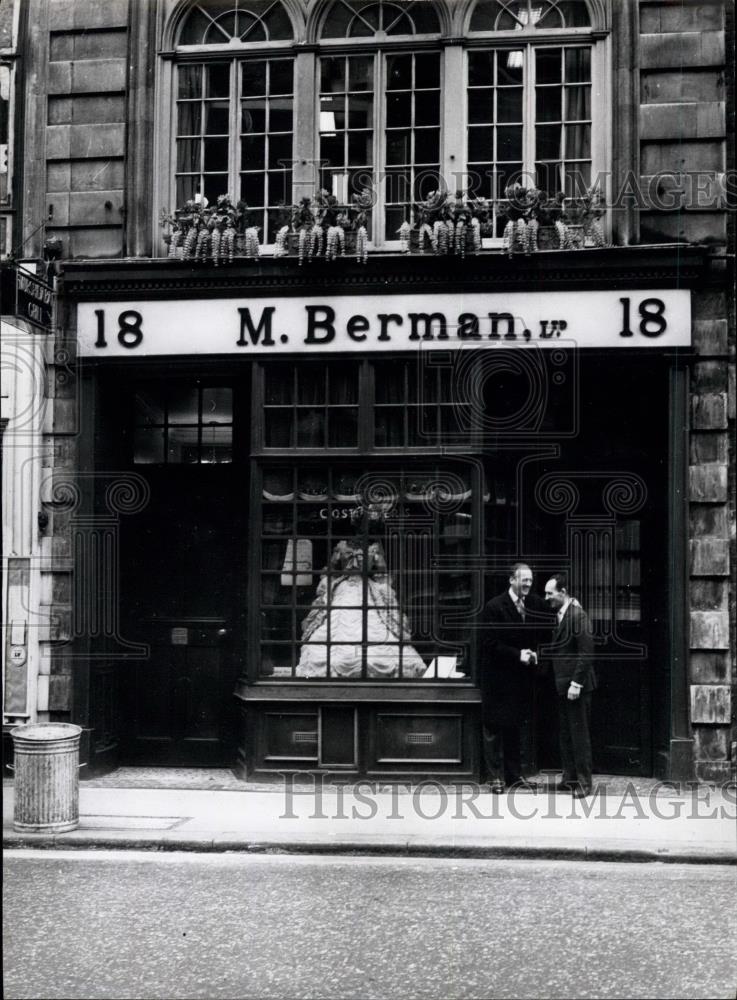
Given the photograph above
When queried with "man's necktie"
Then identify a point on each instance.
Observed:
(521, 608)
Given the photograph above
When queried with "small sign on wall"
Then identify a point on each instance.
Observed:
(180, 637)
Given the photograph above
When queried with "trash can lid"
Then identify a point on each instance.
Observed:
(42, 732)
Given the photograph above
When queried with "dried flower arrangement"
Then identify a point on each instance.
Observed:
(447, 225)
(321, 226)
(216, 233)
(532, 213)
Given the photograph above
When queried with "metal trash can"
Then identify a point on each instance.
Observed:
(46, 777)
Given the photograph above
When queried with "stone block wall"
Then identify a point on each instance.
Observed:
(685, 104)
(82, 126)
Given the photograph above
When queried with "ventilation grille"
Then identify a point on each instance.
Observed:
(414, 738)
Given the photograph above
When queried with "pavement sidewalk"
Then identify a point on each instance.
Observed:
(623, 821)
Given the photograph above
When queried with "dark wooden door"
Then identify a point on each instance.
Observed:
(182, 572)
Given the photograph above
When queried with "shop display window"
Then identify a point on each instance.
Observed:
(183, 424)
(366, 571)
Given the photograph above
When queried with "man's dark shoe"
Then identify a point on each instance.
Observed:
(522, 785)
(496, 786)
(563, 786)
(581, 793)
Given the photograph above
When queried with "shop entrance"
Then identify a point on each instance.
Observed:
(180, 576)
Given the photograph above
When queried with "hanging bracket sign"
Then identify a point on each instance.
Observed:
(659, 318)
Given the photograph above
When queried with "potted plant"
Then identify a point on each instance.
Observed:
(216, 233)
(321, 226)
(446, 225)
(539, 221)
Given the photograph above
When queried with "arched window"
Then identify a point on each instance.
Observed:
(219, 22)
(375, 18)
(381, 111)
(532, 115)
(234, 108)
(529, 15)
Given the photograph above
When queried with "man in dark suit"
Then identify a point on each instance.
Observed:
(573, 666)
(514, 620)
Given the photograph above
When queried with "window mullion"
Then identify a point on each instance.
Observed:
(379, 124)
(234, 187)
(528, 166)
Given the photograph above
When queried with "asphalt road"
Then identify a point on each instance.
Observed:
(104, 924)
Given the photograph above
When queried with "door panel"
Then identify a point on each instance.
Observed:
(182, 572)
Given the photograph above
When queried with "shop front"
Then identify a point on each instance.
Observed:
(327, 478)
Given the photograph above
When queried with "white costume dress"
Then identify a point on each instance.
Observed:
(362, 612)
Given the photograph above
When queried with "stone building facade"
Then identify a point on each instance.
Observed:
(84, 89)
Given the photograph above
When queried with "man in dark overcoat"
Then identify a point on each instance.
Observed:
(516, 622)
(571, 654)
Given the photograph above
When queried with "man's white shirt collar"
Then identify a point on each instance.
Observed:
(516, 598)
(562, 610)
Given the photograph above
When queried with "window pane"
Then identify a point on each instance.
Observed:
(216, 120)
(548, 104)
(578, 142)
(399, 72)
(149, 407)
(548, 141)
(509, 68)
(481, 105)
(281, 76)
(310, 428)
(398, 146)
(188, 155)
(578, 65)
(399, 186)
(280, 150)
(186, 189)
(278, 428)
(427, 70)
(509, 143)
(311, 384)
(183, 405)
(148, 446)
(280, 119)
(398, 109)
(279, 187)
(189, 118)
(216, 446)
(509, 105)
(427, 108)
(253, 116)
(182, 446)
(332, 150)
(217, 405)
(360, 111)
(253, 77)
(332, 75)
(252, 189)
(548, 65)
(360, 148)
(216, 154)
(190, 81)
(214, 186)
(480, 143)
(343, 383)
(343, 428)
(427, 145)
(480, 69)
(578, 103)
(218, 80)
(361, 72)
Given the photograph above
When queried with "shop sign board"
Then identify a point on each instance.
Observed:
(27, 297)
(656, 318)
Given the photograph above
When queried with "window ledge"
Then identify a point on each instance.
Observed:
(642, 266)
(365, 691)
